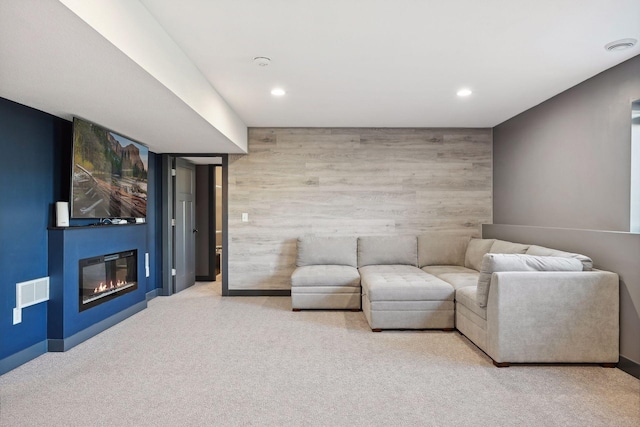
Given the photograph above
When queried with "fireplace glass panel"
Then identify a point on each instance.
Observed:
(106, 277)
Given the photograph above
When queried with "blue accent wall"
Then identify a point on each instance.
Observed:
(34, 175)
(28, 140)
(66, 248)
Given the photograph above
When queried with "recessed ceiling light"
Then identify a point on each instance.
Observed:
(278, 92)
(262, 61)
(464, 92)
(621, 44)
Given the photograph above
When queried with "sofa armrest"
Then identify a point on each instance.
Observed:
(562, 317)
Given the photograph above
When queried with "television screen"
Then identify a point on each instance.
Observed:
(109, 174)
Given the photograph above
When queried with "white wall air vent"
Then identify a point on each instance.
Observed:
(30, 293)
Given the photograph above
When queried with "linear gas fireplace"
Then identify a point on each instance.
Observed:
(106, 277)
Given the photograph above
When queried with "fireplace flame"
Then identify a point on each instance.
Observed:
(104, 287)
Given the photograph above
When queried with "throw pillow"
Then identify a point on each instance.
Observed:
(587, 263)
(492, 263)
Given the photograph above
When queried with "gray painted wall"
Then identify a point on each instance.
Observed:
(566, 163)
(349, 182)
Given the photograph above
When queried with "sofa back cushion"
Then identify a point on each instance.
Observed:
(587, 263)
(387, 250)
(316, 250)
(475, 251)
(441, 249)
(492, 263)
(504, 247)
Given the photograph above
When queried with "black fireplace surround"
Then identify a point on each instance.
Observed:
(106, 277)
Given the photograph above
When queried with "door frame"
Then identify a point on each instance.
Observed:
(168, 220)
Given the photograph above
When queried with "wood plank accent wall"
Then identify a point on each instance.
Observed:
(361, 181)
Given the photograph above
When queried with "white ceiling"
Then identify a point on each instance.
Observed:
(343, 63)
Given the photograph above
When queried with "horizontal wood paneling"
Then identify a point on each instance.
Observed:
(350, 182)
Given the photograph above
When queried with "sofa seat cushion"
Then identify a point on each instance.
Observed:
(403, 283)
(412, 305)
(325, 297)
(325, 290)
(437, 270)
(458, 277)
(467, 297)
(325, 275)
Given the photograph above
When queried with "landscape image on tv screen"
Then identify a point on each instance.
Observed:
(109, 174)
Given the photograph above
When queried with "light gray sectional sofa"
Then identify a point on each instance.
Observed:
(518, 303)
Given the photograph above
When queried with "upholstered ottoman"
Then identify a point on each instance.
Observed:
(396, 294)
(326, 276)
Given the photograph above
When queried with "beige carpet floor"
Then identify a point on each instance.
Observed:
(197, 359)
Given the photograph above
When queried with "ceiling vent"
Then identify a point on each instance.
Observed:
(262, 61)
(621, 44)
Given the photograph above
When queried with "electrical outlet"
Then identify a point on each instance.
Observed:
(245, 217)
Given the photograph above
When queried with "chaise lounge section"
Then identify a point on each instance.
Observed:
(396, 294)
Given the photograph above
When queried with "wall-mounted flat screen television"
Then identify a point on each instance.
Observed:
(109, 174)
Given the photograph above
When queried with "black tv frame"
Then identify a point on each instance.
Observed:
(123, 197)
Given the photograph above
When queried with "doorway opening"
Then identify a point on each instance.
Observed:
(208, 222)
(194, 221)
